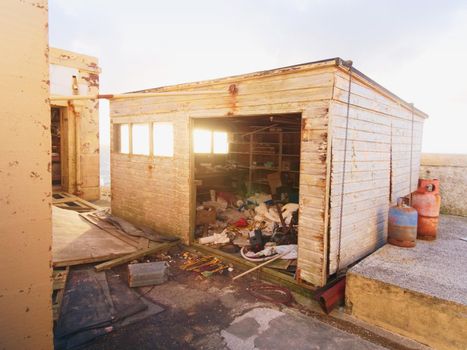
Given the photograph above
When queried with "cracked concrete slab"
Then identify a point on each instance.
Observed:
(265, 328)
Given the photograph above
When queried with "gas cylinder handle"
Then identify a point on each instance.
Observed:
(430, 187)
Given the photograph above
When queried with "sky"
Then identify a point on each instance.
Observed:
(416, 49)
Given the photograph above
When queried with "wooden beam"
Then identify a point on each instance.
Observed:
(259, 266)
(64, 200)
(135, 95)
(136, 255)
(88, 260)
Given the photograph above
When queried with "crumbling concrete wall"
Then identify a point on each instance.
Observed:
(451, 170)
(80, 172)
(25, 179)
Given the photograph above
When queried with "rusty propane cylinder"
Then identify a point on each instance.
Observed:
(402, 225)
(427, 201)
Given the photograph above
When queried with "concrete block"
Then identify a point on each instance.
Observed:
(147, 274)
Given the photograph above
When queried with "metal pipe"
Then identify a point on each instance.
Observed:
(332, 296)
(135, 95)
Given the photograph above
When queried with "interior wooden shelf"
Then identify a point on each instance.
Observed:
(272, 148)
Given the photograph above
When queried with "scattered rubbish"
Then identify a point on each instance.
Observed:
(205, 265)
(250, 225)
(271, 251)
(216, 238)
(242, 222)
(256, 240)
(230, 248)
(205, 215)
(147, 274)
(278, 256)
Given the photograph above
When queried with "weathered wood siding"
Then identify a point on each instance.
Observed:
(377, 167)
(314, 189)
(155, 191)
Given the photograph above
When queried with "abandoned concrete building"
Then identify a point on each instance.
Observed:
(340, 142)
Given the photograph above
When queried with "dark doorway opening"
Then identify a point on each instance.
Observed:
(55, 127)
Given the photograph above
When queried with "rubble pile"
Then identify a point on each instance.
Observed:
(257, 227)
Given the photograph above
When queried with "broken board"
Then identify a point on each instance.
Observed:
(76, 241)
(68, 201)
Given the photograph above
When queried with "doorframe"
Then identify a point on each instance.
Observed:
(65, 171)
(191, 173)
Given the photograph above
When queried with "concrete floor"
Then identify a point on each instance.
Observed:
(269, 328)
(437, 268)
(215, 313)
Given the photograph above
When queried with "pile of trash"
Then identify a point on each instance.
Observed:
(258, 227)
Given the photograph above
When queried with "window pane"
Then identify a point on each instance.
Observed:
(163, 139)
(202, 141)
(124, 139)
(140, 137)
(221, 143)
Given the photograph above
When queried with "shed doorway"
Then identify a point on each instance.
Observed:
(246, 186)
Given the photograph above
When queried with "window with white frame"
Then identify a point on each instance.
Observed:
(208, 141)
(140, 138)
(163, 139)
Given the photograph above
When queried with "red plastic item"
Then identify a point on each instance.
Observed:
(427, 201)
(241, 223)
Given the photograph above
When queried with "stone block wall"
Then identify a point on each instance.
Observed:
(451, 170)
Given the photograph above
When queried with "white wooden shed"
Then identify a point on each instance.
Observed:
(358, 150)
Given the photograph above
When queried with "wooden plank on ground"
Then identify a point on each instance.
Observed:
(111, 229)
(67, 197)
(156, 247)
(87, 260)
(77, 241)
(64, 200)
